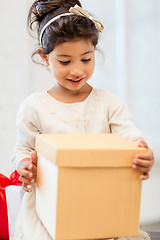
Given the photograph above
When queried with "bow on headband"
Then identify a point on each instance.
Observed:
(80, 11)
(73, 10)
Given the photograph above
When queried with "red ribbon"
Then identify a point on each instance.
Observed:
(5, 182)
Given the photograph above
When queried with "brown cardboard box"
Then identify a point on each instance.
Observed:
(86, 188)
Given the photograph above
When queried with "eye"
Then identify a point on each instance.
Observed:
(64, 62)
(86, 60)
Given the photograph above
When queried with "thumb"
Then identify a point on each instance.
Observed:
(142, 144)
(34, 158)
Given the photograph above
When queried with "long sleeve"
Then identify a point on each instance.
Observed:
(28, 125)
(120, 120)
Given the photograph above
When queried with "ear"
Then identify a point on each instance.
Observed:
(43, 56)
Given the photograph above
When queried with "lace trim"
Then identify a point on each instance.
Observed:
(76, 120)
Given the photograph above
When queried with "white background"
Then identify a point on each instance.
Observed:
(130, 68)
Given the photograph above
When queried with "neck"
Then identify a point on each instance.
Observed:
(69, 96)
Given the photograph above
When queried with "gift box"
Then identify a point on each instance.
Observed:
(86, 187)
(10, 199)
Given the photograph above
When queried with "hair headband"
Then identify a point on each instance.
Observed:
(73, 10)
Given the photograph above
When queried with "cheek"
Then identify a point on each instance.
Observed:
(90, 68)
(58, 71)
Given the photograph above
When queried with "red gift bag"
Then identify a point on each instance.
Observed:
(5, 182)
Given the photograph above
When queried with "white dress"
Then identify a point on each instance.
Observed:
(101, 112)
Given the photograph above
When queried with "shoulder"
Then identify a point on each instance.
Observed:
(33, 98)
(32, 102)
(108, 97)
(29, 106)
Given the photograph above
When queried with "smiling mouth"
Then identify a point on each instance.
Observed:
(75, 81)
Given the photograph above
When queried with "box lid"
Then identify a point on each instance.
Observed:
(87, 150)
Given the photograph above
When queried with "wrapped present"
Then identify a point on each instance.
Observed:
(8, 202)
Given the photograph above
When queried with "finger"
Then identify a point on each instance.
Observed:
(26, 180)
(26, 187)
(25, 173)
(34, 172)
(147, 156)
(28, 165)
(34, 157)
(142, 169)
(145, 176)
(28, 174)
(23, 163)
(142, 163)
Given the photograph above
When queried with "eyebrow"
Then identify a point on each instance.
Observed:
(65, 55)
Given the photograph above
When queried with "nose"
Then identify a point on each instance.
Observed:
(76, 70)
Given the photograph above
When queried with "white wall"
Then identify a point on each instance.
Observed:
(145, 90)
(19, 76)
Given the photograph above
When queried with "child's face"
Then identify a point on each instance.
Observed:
(72, 63)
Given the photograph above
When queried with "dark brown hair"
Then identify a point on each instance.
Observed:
(71, 27)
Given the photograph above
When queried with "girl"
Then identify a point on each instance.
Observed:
(68, 36)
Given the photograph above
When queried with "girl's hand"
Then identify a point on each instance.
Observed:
(29, 172)
(144, 162)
